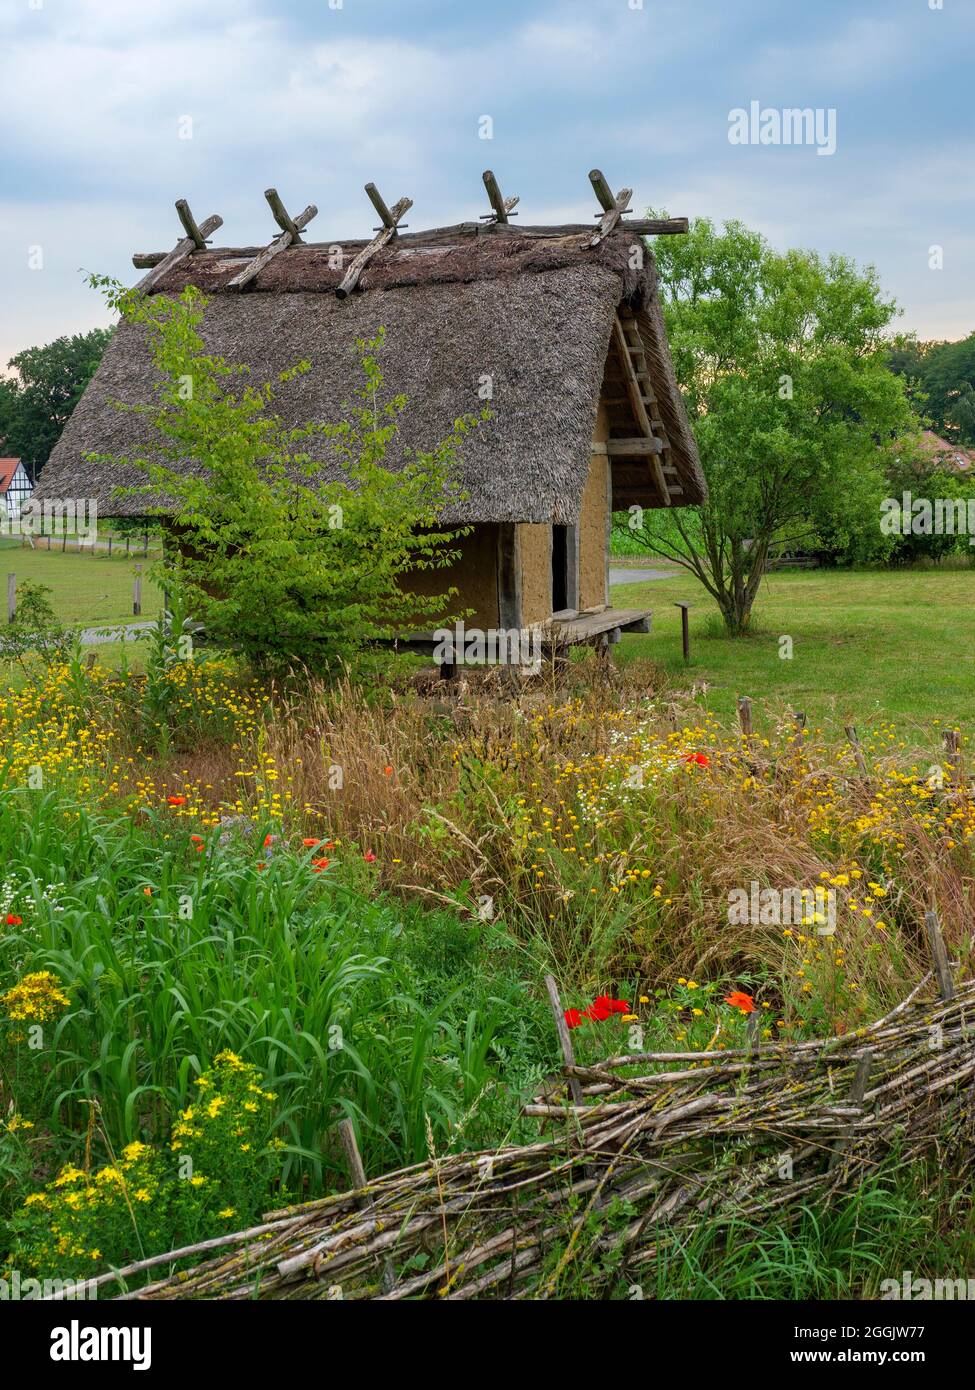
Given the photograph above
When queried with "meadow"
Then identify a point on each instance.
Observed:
(233, 914)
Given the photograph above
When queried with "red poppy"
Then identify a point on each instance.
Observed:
(388, 771)
(310, 844)
(260, 867)
(176, 800)
(13, 921)
(369, 857)
(738, 999)
(601, 1008)
(319, 865)
(701, 759)
(269, 839)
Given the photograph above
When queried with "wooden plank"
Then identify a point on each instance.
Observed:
(279, 244)
(385, 214)
(179, 253)
(389, 230)
(643, 446)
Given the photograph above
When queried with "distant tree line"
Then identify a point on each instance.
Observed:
(42, 388)
(940, 380)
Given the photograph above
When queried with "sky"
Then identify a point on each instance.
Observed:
(110, 110)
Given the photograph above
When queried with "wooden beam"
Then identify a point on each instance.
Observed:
(455, 235)
(613, 208)
(641, 446)
(180, 251)
(281, 215)
(501, 206)
(189, 224)
(279, 244)
(390, 218)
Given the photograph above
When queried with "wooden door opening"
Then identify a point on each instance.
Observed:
(560, 569)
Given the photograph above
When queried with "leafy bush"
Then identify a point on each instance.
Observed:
(282, 562)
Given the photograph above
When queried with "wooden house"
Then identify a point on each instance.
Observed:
(558, 329)
(15, 488)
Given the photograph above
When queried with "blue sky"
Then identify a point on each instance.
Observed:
(316, 97)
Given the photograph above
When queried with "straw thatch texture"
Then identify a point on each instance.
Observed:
(534, 315)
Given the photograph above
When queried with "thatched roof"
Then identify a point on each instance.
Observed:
(533, 312)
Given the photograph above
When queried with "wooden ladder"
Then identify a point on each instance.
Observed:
(633, 353)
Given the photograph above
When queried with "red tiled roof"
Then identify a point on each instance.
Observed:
(955, 455)
(8, 467)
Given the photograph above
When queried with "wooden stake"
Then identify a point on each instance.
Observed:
(685, 630)
(613, 207)
(857, 1091)
(851, 733)
(189, 224)
(745, 715)
(390, 218)
(182, 249)
(799, 718)
(939, 955)
(289, 236)
(952, 742)
(501, 206)
(11, 597)
(359, 1181)
(565, 1041)
(137, 592)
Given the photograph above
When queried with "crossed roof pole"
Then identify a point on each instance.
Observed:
(196, 237)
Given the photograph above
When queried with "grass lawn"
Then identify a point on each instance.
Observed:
(87, 590)
(866, 646)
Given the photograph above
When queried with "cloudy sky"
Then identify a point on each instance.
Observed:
(98, 97)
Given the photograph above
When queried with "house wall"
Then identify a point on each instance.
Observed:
(594, 519)
(535, 556)
(474, 575)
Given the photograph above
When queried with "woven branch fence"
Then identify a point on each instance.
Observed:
(635, 1149)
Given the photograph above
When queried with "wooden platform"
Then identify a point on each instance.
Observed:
(603, 627)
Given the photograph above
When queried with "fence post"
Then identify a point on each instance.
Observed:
(565, 1042)
(137, 592)
(857, 1091)
(952, 742)
(854, 737)
(799, 717)
(11, 597)
(939, 954)
(359, 1180)
(685, 632)
(745, 715)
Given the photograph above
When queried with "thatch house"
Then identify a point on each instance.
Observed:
(564, 338)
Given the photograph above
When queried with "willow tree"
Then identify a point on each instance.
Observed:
(782, 361)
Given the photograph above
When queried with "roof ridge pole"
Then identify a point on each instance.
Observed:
(390, 218)
(194, 240)
(613, 207)
(291, 229)
(501, 208)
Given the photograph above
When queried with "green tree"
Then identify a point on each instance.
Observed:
(282, 564)
(781, 358)
(36, 404)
